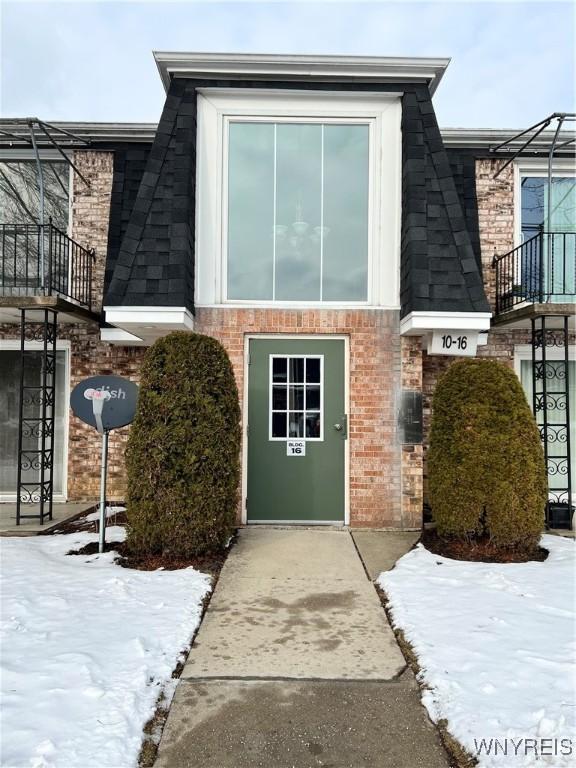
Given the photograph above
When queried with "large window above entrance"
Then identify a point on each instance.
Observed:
(298, 199)
(298, 211)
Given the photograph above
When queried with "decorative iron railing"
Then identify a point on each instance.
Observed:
(41, 260)
(541, 270)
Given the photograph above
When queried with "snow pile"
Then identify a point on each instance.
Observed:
(495, 643)
(87, 647)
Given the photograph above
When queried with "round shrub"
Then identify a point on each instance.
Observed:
(182, 456)
(486, 463)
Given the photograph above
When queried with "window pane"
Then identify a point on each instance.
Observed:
(555, 415)
(562, 205)
(313, 398)
(345, 255)
(9, 416)
(532, 206)
(20, 193)
(279, 399)
(534, 200)
(313, 370)
(297, 398)
(298, 211)
(296, 425)
(279, 369)
(278, 425)
(296, 365)
(250, 210)
(312, 425)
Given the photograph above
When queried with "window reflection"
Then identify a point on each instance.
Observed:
(298, 211)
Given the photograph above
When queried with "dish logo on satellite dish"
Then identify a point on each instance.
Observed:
(105, 394)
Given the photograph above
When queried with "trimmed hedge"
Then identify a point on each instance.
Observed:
(486, 463)
(183, 450)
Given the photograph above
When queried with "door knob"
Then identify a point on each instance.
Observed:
(338, 427)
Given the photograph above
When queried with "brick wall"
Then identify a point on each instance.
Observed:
(91, 357)
(385, 477)
(412, 455)
(376, 497)
(91, 211)
(495, 217)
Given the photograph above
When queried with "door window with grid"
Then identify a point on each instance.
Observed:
(295, 402)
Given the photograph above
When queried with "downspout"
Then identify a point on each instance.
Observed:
(550, 160)
(41, 189)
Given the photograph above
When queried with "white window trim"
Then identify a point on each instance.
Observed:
(288, 409)
(382, 111)
(61, 346)
(535, 167)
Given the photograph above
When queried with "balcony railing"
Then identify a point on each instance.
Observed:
(41, 260)
(541, 270)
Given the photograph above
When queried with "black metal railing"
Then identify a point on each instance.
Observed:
(541, 270)
(41, 260)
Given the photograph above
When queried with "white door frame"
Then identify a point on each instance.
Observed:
(245, 416)
(61, 346)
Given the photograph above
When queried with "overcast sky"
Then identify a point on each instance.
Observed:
(512, 62)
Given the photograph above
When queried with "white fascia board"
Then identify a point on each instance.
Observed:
(268, 66)
(149, 323)
(118, 336)
(418, 323)
(489, 137)
(121, 316)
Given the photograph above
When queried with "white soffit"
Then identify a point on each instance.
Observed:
(382, 69)
(418, 323)
(141, 326)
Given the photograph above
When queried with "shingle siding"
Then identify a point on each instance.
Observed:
(129, 165)
(463, 165)
(439, 264)
(155, 263)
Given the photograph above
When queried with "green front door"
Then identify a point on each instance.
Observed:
(297, 430)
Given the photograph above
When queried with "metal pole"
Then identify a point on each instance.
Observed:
(41, 188)
(550, 160)
(103, 473)
(20, 415)
(568, 425)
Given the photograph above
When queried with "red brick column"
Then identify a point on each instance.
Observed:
(412, 455)
(495, 217)
(91, 211)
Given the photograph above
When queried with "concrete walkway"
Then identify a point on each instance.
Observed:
(295, 665)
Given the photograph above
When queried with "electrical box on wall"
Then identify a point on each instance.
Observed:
(410, 417)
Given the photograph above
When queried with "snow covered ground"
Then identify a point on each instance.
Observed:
(87, 646)
(496, 646)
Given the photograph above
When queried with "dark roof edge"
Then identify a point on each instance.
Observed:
(453, 138)
(95, 132)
